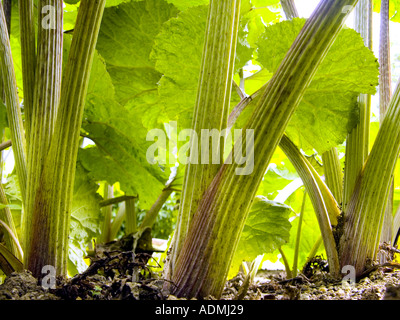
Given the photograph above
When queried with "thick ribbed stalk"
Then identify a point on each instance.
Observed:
(385, 83)
(363, 219)
(54, 195)
(12, 104)
(385, 94)
(324, 204)
(357, 143)
(289, 8)
(203, 264)
(46, 103)
(211, 109)
(333, 173)
(28, 52)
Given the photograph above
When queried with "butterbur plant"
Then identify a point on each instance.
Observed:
(254, 122)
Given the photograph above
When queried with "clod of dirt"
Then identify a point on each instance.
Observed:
(23, 286)
(392, 293)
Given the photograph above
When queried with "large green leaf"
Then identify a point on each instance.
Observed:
(120, 138)
(122, 97)
(125, 41)
(329, 109)
(112, 3)
(184, 4)
(177, 53)
(267, 228)
(246, 4)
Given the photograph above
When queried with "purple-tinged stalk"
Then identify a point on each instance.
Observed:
(385, 94)
(203, 262)
(52, 207)
(357, 143)
(211, 109)
(365, 211)
(46, 101)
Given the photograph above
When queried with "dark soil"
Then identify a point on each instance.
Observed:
(117, 274)
(382, 284)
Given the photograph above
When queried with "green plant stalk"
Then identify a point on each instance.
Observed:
(55, 189)
(364, 216)
(107, 212)
(314, 249)
(7, 7)
(385, 83)
(307, 173)
(14, 238)
(326, 212)
(289, 273)
(6, 216)
(385, 94)
(246, 101)
(298, 236)
(211, 109)
(45, 107)
(333, 173)
(117, 222)
(28, 52)
(357, 143)
(5, 145)
(116, 200)
(289, 8)
(203, 264)
(130, 214)
(152, 213)
(8, 262)
(12, 104)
